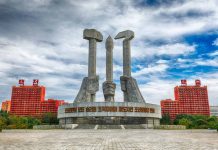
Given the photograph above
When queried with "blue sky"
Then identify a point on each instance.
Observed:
(174, 40)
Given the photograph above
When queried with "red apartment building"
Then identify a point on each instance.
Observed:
(189, 99)
(51, 105)
(30, 100)
(6, 106)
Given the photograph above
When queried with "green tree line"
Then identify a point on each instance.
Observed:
(192, 121)
(8, 121)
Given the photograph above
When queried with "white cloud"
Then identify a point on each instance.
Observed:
(215, 53)
(215, 42)
(157, 90)
(174, 49)
(161, 23)
(160, 68)
(184, 63)
(210, 62)
(161, 61)
(180, 60)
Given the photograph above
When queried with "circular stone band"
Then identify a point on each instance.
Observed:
(109, 109)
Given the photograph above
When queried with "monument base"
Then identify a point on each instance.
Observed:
(109, 113)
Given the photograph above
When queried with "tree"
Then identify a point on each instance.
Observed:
(165, 120)
(212, 122)
(32, 122)
(186, 122)
(180, 116)
(216, 127)
(3, 123)
(16, 122)
(212, 119)
(201, 124)
(49, 118)
(4, 114)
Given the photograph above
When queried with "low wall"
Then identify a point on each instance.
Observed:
(68, 126)
(45, 127)
(170, 127)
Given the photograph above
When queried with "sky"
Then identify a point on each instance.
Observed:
(174, 40)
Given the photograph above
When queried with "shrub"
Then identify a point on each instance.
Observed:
(200, 123)
(3, 122)
(216, 126)
(181, 116)
(32, 122)
(196, 121)
(212, 119)
(165, 120)
(12, 126)
(186, 122)
(16, 122)
(49, 118)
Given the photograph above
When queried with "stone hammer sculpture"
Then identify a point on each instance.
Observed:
(90, 84)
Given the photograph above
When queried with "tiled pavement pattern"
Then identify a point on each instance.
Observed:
(116, 139)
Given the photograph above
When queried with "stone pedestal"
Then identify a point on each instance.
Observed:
(109, 91)
(131, 90)
(89, 87)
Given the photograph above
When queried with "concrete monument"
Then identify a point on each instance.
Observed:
(84, 110)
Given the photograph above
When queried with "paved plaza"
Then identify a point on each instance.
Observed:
(108, 139)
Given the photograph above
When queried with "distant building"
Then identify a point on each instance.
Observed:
(51, 105)
(188, 100)
(6, 106)
(214, 111)
(30, 100)
(170, 107)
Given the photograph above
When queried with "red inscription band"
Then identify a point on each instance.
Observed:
(110, 109)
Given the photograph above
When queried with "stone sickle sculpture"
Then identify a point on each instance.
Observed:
(128, 84)
(108, 86)
(90, 84)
